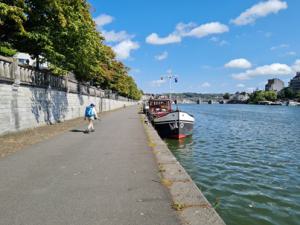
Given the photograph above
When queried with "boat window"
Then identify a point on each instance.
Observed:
(160, 106)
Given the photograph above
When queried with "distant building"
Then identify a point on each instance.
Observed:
(295, 82)
(274, 85)
(25, 59)
(239, 98)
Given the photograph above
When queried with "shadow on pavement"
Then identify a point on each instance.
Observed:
(78, 131)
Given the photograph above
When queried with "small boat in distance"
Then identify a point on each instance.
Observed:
(169, 123)
(292, 103)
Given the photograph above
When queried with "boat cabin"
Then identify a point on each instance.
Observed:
(160, 106)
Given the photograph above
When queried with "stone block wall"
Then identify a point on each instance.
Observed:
(23, 107)
(30, 98)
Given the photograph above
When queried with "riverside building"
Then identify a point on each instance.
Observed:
(295, 83)
(274, 85)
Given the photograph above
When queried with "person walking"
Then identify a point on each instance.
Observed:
(90, 115)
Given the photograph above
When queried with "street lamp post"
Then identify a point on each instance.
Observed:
(170, 77)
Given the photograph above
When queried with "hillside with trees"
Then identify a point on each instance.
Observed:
(259, 96)
(64, 34)
(284, 95)
(196, 96)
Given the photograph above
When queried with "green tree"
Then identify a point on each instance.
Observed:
(259, 96)
(226, 96)
(270, 95)
(37, 29)
(286, 93)
(63, 33)
(256, 97)
(12, 18)
(76, 38)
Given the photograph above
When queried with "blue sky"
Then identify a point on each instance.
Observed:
(212, 46)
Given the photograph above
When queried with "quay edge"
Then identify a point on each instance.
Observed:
(192, 206)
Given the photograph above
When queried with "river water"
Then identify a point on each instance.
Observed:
(246, 161)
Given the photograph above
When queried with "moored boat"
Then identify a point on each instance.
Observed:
(292, 103)
(170, 123)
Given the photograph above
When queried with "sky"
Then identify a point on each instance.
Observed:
(211, 46)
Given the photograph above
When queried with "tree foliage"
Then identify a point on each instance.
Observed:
(287, 93)
(226, 96)
(259, 96)
(12, 17)
(63, 33)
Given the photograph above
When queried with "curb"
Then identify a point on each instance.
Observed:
(189, 202)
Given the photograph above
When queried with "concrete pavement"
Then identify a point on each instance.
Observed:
(108, 177)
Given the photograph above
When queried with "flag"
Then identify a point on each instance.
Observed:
(176, 79)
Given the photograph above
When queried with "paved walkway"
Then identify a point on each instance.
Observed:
(108, 177)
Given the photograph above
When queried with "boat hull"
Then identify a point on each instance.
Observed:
(175, 125)
(174, 129)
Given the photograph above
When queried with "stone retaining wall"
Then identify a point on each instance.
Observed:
(31, 98)
(191, 205)
(23, 107)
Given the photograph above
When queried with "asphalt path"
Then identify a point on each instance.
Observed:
(108, 177)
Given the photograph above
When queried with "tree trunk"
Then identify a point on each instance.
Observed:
(37, 62)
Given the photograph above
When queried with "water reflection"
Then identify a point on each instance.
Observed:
(180, 144)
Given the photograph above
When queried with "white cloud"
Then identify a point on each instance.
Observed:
(123, 43)
(275, 69)
(207, 29)
(223, 43)
(291, 53)
(240, 85)
(112, 36)
(103, 19)
(279, 47)
(250, 89)
(214, 39)
(124, 48)
(162, 56)
(157, 83)
(154, 39)
(259, 10)
(296, 66)
(239, 63)
(218, 41)
(184, 28)
(206, 85)
(187, 30)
